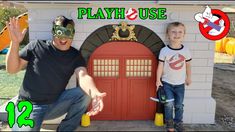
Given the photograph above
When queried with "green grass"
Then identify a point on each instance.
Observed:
(9, 83)
(2, 59)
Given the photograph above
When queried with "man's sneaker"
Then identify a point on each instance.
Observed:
(179, 127)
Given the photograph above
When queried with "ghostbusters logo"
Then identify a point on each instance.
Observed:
(176, 62)
(214, 24)
(131, 14)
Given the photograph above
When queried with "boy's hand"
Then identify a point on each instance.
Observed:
(158, 84)
(188, 81)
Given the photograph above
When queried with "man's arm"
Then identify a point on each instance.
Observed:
(13, 62)
(87, 84)
(188, 73)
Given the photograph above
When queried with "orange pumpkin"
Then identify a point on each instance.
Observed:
(224, 43)
(230, 46)
(218, 45)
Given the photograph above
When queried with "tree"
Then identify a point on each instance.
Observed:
(7, 12)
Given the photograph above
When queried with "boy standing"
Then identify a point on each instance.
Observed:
(174, 71)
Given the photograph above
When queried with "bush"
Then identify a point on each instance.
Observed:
(7, 12)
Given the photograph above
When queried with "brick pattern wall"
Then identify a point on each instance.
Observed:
(199, 105)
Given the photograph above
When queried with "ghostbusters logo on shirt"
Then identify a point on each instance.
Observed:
(176, 62)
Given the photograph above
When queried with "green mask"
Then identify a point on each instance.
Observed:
(63, 32)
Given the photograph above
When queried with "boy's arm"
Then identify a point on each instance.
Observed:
(159, 74)
(188, 80)
(161, 59)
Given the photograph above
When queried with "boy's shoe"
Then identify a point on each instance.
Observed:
(170, 126)
(179, 127)
(171, 130)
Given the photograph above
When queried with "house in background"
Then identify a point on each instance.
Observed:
(126, 70)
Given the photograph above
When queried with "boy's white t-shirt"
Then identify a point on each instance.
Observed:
(174, 71)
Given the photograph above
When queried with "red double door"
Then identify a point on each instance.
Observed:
(126, 71)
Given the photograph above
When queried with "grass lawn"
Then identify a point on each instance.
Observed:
(9, 84)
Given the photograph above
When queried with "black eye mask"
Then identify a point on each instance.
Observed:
(63, 32)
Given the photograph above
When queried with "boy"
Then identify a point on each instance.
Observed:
(174, 71)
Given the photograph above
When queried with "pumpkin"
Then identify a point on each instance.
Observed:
(220, 45)
(224, 43)
(230, 46)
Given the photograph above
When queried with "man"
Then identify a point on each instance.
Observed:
(49, 66)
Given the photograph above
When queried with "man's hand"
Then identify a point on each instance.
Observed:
(97, 104)
(86, 82)
(15, 34)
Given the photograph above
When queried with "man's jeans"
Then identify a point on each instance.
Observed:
(175, 93)
(73, 101)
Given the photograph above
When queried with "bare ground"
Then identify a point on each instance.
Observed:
(223, 92)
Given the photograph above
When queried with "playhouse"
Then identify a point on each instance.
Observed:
(124, 65)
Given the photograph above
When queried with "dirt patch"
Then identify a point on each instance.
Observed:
(223, 92)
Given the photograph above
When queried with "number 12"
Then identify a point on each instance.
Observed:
(23, 118)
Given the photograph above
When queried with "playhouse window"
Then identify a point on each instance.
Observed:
(106, 67)
(138, 67)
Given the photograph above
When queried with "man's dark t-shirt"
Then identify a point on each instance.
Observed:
(48, 71)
